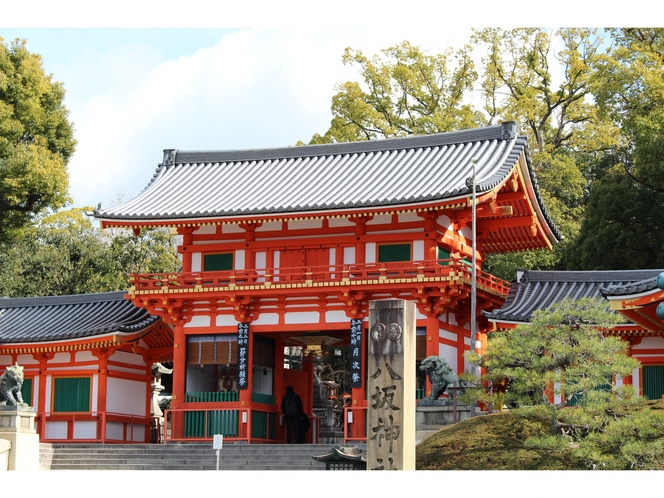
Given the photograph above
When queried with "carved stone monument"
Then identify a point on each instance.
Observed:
(17, 421)
(391, 385)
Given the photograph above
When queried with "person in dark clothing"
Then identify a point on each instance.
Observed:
(291, 407)
(301, 428)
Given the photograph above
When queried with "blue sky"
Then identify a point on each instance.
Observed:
(144, 76)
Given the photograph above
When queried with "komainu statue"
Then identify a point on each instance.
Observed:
(10, 386)
(440, 375)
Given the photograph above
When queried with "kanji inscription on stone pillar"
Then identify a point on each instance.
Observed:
(391, 385)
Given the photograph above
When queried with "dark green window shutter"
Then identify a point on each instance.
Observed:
(216, 262)
(393, 252)
(26, 391)
(72, 394)
(443, 254)
(653, 382)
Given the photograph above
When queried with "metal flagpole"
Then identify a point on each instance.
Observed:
(473, 293)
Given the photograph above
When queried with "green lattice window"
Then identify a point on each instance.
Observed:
(653, 382)
(217, 262)
(393, 252)
(71, 394)
(26, 391)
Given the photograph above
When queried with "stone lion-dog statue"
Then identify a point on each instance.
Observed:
(440, 375)
(10, 386)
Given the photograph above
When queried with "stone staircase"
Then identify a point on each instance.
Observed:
(182, 456)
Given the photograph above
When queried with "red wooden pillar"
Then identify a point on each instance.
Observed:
(179, 372)
(42, 358)
(433, 325)
(187, 242)
(102, 388)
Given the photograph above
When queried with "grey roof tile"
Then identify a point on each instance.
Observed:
(535, 290)
(44, 319)
(388, 172)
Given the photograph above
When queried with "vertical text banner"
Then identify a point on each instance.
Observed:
(355, 353)
(391, 385)
(242, 355)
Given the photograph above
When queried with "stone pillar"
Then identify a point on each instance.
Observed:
(18, 427)
(391, 385)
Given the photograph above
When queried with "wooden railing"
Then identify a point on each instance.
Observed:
(391, 273)
(131, 425)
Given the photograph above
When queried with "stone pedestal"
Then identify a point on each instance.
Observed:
(437, 416)
(18, 427)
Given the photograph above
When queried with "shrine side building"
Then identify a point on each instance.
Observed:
(284, 248)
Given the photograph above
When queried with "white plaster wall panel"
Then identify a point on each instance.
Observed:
(619, 381)
(650, 343)
(304, 317)
(370, 254)
(94, 395)
(449, 354)
(261, 259)
(85, 429)
(34, 402)
(231, 228)
(419, 315)
(56, 430)
(196, 259)
(467, 232)
(446, 334)
(337, 317)
(206, 230)
(6, 360)
(115, 431)
(383, 219)
(84, 356)
(48, 396)
(333, 256)
(60, 358)
(134, 359)
(198, 321)
(636, 379)
(557, 397)
(445, 222)
(451, 319)
(24, 359)
(408, 217)
(305, 224)
(418, 250)
(267, 319)
(272, 226)
(126, 396)
(239, 259)
(349, 255)
(340, 222)
(223, 320)
(138, 434)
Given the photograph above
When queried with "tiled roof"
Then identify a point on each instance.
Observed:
(315, 178)
(44, 319)
(535, 290)
(645, 285)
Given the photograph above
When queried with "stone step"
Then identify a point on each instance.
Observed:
(185, 456)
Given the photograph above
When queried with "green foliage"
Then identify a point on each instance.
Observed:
(64, 254)
(623, 226)
(562, 349)
(566, 350)
(405, 92)
(36, 140)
